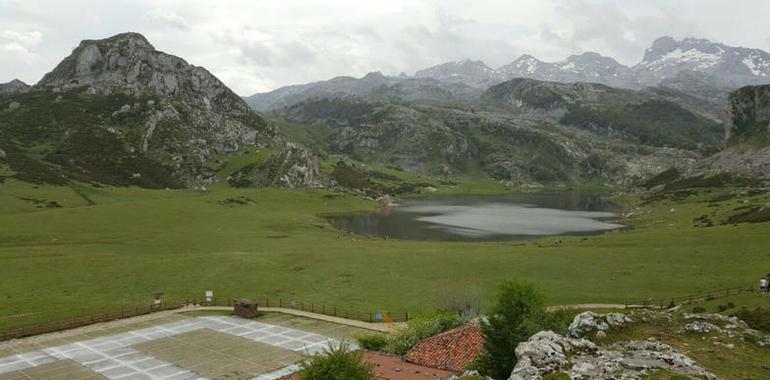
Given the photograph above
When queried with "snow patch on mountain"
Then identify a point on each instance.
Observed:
(700, 60)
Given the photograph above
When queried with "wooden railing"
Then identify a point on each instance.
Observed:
(706, 296)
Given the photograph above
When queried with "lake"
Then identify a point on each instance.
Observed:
(492, 217)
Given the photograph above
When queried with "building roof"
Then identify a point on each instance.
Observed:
(452, 350)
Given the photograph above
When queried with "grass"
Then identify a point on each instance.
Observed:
(108, 248)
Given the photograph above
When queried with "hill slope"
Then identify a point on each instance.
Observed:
(645, 117)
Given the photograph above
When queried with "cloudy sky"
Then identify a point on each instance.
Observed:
(259, 45)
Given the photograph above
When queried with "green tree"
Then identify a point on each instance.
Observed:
(336, 362)
(518, 313)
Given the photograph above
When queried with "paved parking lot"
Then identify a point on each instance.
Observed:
(183, 348)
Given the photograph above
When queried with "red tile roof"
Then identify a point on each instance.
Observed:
(452, 350)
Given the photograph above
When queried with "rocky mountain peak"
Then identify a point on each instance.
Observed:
(183, 120)
(13, 87)
(466, 71)
(592, 58)
(659, 47)
(731, 66)
(375, 76)
(127, 63)
(524, 64)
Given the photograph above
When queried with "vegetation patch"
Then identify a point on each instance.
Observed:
(654, 122)
(237, 201)
(757, 318)
(336, 362)
(41, 203)
(372, 342)
(753, 215)
(719, 180)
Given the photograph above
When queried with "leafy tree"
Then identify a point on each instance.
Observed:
(336, 362)
(518, 314)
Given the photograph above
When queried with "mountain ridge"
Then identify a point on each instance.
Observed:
(697, 67)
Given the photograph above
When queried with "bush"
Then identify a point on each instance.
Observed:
(729, 306)
(336, 362)
(758, 319)
(422, 327)
(372, 342)
(518, 313)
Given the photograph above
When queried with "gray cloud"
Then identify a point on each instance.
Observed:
(260, 46)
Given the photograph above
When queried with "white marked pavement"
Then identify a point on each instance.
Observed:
(112, 356)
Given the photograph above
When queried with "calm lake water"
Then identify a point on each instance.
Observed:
(496, 217)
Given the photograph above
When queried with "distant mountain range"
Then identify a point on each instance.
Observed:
(699, 67)
(665, 59)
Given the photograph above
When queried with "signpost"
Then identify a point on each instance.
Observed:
(156, 300)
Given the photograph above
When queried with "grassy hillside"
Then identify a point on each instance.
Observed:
(67, 250)
(51, 137)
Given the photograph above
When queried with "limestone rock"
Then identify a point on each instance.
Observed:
(717, 318)
(590, 322)
(547, 352)
(701, 327)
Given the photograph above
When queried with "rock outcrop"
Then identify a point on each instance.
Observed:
(747, 137)
(547, 352)
(588, 323)
(747, 115)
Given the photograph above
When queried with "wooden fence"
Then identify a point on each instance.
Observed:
(67, 324)
(72, 323)
(706, 296)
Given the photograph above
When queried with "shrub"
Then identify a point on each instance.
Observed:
(372, 342)
(518, 313)
(758, 319)
(422, 327)
(698, 310)
(336, 362)
(729, 306)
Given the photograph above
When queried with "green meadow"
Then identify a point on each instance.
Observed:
(74, 250)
